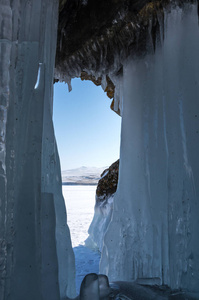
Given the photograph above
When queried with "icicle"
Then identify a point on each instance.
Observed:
(104, 82)
(156, 204)
(38, 77)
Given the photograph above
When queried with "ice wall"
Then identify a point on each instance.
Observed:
(154, 232)
(101, 219)
(36, 258)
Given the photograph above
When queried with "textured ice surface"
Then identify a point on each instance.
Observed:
(154, 232)
(100, 222)
(35, 248)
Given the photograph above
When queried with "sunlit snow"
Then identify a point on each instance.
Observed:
(80, 201)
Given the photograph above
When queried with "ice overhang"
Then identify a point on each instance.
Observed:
(96, 37)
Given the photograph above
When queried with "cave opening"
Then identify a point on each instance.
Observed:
(88, 138)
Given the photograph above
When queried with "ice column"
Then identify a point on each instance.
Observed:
(36, 259)
(154, 232)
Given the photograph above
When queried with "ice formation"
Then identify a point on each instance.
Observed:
(95, 287)
(100, 222)
(154, 232)
(35, 247)
(104, 201)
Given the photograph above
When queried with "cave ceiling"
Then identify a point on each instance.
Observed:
(96, 36)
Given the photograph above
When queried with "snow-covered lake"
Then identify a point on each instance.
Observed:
(80, 201)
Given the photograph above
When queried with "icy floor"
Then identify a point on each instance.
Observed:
(80, 201)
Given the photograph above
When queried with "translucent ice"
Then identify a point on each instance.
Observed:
(35, 247)
(154, 232)
(100, 222)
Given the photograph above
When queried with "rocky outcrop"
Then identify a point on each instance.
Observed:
(117, 27)
(120, 28)
(105, 192)
(107, 185)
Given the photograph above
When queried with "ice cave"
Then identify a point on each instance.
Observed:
(144, 54)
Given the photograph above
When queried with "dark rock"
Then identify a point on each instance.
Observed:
(96, 37)
(90, 36)
(107, 185)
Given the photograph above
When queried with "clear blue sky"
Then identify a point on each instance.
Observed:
(86, 129)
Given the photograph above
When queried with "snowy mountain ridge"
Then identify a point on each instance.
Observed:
(82, 176)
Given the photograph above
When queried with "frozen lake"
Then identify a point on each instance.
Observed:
(80, 202)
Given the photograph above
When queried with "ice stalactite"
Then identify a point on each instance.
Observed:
(154, 232)
(36, 258)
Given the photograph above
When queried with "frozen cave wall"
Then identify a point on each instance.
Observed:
(145, 55)
(154, 232)
(35, 247)
(146, 58)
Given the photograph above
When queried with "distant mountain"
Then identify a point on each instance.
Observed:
(82, 176)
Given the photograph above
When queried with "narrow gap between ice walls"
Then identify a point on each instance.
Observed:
(88, 137)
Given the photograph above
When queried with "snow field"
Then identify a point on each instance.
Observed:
(80, 202)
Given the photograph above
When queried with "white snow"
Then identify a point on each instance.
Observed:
(82, 175)
(80, 202)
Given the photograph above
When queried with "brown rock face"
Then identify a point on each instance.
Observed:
(95, 36)
(107, 185)
(110, 89)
